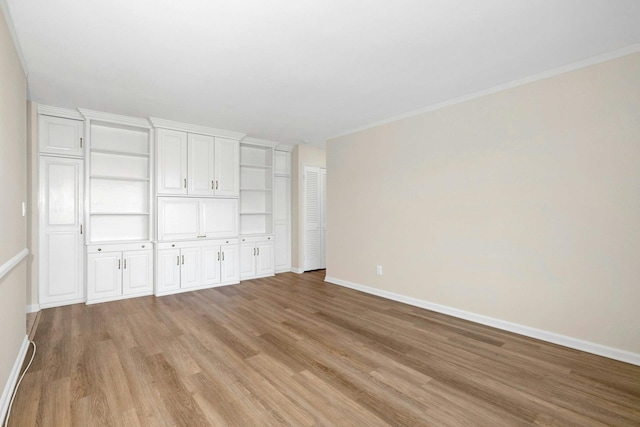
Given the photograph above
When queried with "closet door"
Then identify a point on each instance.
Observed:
(281, 212)
(323, 218)
(312, 219)
(62, 260)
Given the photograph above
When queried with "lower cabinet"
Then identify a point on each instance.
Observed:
(186, 266)
(256, 257)
(119, 271)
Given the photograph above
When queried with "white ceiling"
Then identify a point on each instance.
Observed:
(300, 69)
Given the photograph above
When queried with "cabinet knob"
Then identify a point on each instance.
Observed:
(99, 249)
(268, 238)
(142, 246)
(243, 240)
(227, 241)
(173, 246)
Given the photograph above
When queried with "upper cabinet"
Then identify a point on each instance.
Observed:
(60, 135)
(197, 165)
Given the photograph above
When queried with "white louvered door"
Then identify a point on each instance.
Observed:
(323, 218)
(314, 201)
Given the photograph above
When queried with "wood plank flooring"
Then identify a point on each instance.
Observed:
(294, 350)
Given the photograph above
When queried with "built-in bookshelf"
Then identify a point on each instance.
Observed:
(256, 189)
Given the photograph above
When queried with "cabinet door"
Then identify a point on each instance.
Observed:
(190, 267)
(104, 275)
(61, 253)
(247, 260)
(60, 136)
(172, 162)
(219, 218)
(137, 272)
(227, 167)
(281, 198)
(178, 218)
(264, 259)
(201, 177)
(229, 264)
(282, 163)
(211, 265)
(168, 270)
(282, 247)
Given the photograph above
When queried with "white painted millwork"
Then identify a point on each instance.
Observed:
(282, 210)
(60, 136)
(190, 265)
(172, 162)
(119, 271)
(196, 218)
(197, 165)
(256, 257)
(314, 218)
(61, 267)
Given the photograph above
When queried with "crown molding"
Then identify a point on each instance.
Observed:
(259, 141)
(115, 118)
(67, 113)
(285, 147)
(594, 60)
(186, 127)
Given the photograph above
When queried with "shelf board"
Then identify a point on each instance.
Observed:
(117, 178)
(119, 153)
(255, 213)
(119, 213)
(254, 166)
(256, 189)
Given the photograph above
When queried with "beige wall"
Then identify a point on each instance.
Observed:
(523, 205)
(302, 155)
(13, 191)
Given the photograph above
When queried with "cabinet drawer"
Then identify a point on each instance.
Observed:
(120, 247)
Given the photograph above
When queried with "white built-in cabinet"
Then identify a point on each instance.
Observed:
(119, 271)
(197, 165)
(256, 257)
(193, 265)
(61, 268)
(282, 210)
(61, 136)
(196, 218)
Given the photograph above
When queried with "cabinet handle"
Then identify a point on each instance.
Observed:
(254, 251)
(80, 228)
(182, 259)
(178, 262)
(223, 256)
(80, 142)
(258, 251)
(125, 263)
(218, 256)
(212, 185)
(185, 183)
(119, 264)
(216, 185)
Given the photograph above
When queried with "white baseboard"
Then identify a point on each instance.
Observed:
(297, 270)
(552, 337)
(34, 308)
(13, 379)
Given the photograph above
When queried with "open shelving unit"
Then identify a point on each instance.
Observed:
(119, 180)
(256, 189)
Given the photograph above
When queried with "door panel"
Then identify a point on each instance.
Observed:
(227, 172)
(201, 164)
(211, 265)
(247, 260)
(264, 259)
(137, 272)
(168, 270)
(172, 162)
(312, 232)
(190, 267)
(104, 275)
(282, 247)
(58, 135)
(177, 218)
(219, 218)
(229, 264)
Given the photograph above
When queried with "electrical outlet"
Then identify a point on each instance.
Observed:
(379, 270)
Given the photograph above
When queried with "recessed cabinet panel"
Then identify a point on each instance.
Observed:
(62, 273)
(247, 260)
(282, 247)
(104, 275)
(281, 196)
(282, 163)
(201, 177)
(58, 135)
(63, 196)
(264, 259)
(178, 219)
(172, 162)
(229, 264)
(211, 256)
(219, 218)
(137, 272)
(168, 270)
(190, 267)
(227, 173)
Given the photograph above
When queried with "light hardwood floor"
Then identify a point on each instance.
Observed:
(294, 350)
